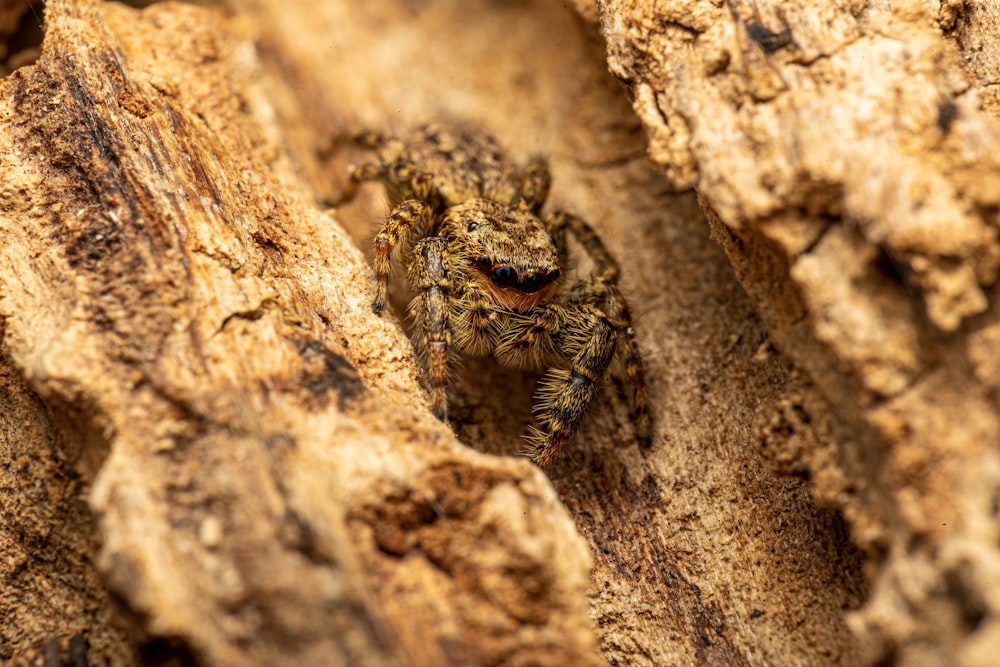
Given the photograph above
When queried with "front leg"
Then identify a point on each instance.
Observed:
(565, 395)
(526, 343)
(476, 321)
(430, 311)
(410, 216)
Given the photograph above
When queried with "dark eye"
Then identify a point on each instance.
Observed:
(484, 262)
(531, 283)
(473, 226)
(553, 275)
(503, 275)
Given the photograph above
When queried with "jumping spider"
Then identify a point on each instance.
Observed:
(489, 275)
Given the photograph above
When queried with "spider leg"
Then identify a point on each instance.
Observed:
(535, 183)
(369, 171)
(364, 139)
(400, 176)
(528, 343)
(370, 139)
(403, 178)
(565, 395)
(617, 311)
(51, 653)
(475, 322)
(605, 295)
(605, 265)
(411, 215)
(429, 310)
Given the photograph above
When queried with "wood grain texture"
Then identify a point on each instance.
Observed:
(685, 537)
(187, 336)
(846, 157)
(268, 483)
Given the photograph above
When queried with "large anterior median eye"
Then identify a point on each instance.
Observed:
(531, 282)
(503, 275)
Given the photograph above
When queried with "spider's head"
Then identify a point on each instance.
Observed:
(508, 251)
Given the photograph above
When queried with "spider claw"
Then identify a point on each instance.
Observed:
(543, 448)
(534, 443)
(547, 454)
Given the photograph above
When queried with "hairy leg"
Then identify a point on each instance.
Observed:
(565, 395)
(475, 321)
(409, 218)
(526, 340)
(402, 178)
(605, 295)
(535, 184)
(369, 171)
(618, 313)
(605, 265)
(430, 312)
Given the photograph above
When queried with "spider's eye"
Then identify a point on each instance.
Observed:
(552, 276)
(531, 283)
(484, 262)
(473, 226)
(503, 275)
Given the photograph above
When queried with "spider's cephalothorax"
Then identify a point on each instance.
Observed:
(490, 276)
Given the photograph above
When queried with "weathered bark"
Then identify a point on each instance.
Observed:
(189, 334)
(269, 485)
(848, 160)
(682, 539)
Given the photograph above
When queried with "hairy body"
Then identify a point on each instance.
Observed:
(490, 279)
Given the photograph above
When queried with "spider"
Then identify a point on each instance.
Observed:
(489, 274)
